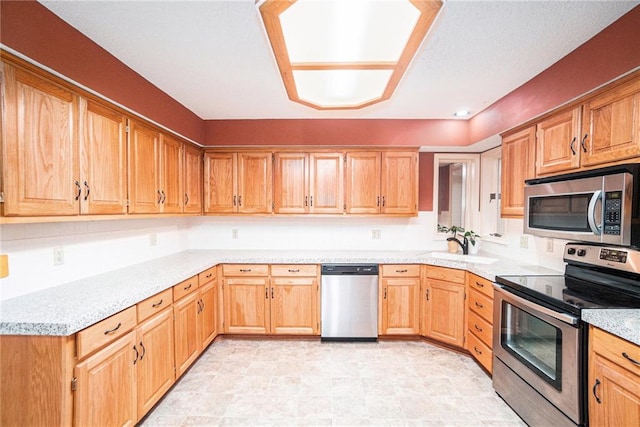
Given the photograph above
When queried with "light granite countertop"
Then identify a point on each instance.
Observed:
(624, 323)
(64, 310)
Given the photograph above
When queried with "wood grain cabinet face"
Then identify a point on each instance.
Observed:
(443, 305)
(400, 306)
(558, 142)
(246, 305)
(399, 186)
(614, 380)
(291, 183)
(518, 160)
(363, 183)
(171, 175)
(326, 183)
(207, 314)
(144, 169)
(220, 183)
(611, 125)
(40, 148)
(192, 179)
(186, 329)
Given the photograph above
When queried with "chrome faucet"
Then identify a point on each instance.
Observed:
(464, 244)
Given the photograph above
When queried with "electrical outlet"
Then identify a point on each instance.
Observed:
(549, 244)
(58, 255)
(376, 234)
(153, 239)
(524, 242)
(234, 233)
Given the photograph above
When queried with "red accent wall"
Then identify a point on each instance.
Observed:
(31, 29)
(609, 54)
(425, 182)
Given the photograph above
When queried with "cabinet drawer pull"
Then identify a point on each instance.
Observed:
(186, 288)
(427, 294)
(186, 199)
(239, 200)
(208, 276)
(164, 197)
(480, 285)
(593, 390)
(478, 328)
(479, 305)
(272, 293)
(571, 146)
(582, 143)
(401, 271)
(294, 271)
(144, 350)
(266, 293)
(137, 354)
(476, 350)
(110, 331)
(311, 201)
(385, 293)
(234, 200)
(79, 190)
(86, 196)
(158, 304)
(378, 203)
(306, 201)
(630, 359)
(245, 270)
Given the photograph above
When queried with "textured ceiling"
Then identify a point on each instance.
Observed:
(215, 59)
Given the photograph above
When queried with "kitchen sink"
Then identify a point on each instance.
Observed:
(462, 258)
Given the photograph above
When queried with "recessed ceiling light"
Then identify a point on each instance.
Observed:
(461, 113)
(345, 54)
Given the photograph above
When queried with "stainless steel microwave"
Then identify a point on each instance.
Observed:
(599, 206)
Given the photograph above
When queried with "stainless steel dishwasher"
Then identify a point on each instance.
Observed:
(349, 309)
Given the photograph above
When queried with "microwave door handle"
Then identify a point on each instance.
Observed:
(591, 213)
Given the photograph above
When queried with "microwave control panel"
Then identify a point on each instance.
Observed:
(612, 212)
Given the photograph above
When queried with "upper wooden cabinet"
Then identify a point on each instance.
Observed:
(192, 179)
(171, 174)
(40, 146)
(144, 169)
(558, 142)
(611, 125)
(238, 182)
(518, 159)
(384, 182)
(326, 183)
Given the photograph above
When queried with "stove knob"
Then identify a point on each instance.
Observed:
(582, 252)
(571, 251)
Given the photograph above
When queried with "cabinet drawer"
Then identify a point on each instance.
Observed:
(102, 333)
(480, 352)
(294, 270)
(185, 288)
(615, 349)
(480, 328)
(480, 284)
(154, 304)
(245, 270)
(208, 275)
(481, 304)
(401, 270)
(446, 274)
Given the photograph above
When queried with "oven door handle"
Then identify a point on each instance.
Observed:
(591, 213)
(563, 317)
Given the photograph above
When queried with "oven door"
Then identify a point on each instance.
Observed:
(541, 346)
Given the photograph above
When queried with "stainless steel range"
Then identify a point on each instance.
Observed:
(539, 339)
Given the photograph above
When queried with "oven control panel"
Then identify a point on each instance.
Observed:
(618, 258)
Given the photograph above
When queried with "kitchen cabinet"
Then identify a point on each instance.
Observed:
(208, 307)
(480, 320)
(611, 125)
(382, 182)
(171, 174)
(614, 380)
(192, 179)
(443, 305)
(185, 311)
(40, 146)
(558, 142)
(308, 183)
(399, 300)
(294, 300)
(246, 298)
(238, 182)
(518, 160)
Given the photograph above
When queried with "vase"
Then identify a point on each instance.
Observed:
(453, 246)
(473, 249)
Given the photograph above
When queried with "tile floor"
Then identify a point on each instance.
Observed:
(291, 383)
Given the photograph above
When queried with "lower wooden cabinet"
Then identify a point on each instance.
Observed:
(614, 380)
(207, 314)
(480, 320)
(106, 385)
(246, 305)
(443, 305)
(294, 306)
(399, 300)
(185, 312)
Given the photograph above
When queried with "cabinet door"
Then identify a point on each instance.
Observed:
(611, 125)
(614, 394)
(291, 183)
(40, 148)
(326, 183)
(144, 176)
(363, 183)
(220, 185)
(103, 158)
(399, 183)
(187, 346)
(192, 179)
(294, 305)
(444, 312)
(400, 306)
(156, 362)
(106, 385)
(558, 142)
(255, 182)
(171, 173)
(518, 159)
(246, 305)
(207, 315)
